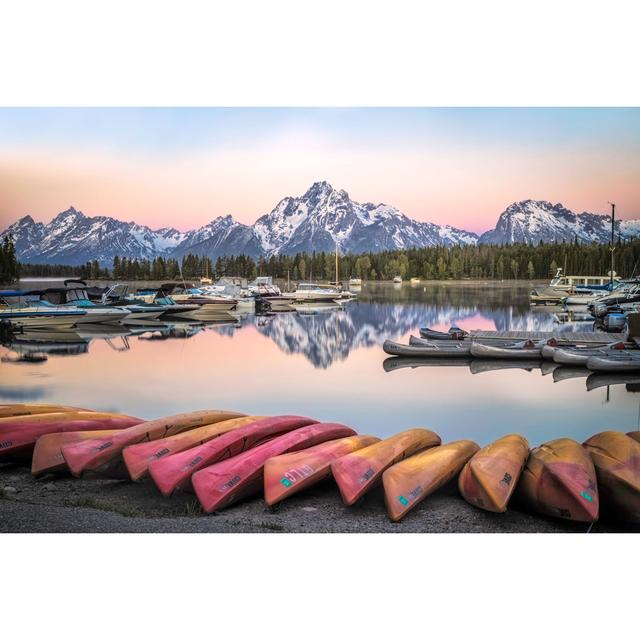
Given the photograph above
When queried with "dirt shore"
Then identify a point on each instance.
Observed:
(68, 505)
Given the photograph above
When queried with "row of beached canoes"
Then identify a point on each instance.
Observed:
(224, 456)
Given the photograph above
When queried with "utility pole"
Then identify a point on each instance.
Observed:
(613, 246)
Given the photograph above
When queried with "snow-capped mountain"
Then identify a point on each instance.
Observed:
(531, 221)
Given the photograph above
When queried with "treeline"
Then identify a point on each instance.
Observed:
(9, 265)
(510, 262)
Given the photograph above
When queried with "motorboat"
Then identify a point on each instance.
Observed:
(573, 290)
(211, 307)
(355, 282)
(22, 310)
(117, 295)
(397, 280)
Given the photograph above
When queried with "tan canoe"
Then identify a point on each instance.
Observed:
(138, 457)
(409, 482)
(490, 477)
(14, 422)
(92, 455)
(616, 458)
(635, 435)
(12, 410)
(290, 473)
(47, 453)
(359, 471)
(559, 480)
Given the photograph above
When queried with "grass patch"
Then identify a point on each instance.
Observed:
(126, 510)
(192, 508)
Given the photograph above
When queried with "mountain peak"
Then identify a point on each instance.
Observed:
(318, 189)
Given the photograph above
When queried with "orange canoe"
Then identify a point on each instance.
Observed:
(223, 483)
(175, 471)
(559, 480)
(92, 455)
(13, 410)
(635, 435)
(138, 457)
(357, 472)
(292, 472)
(47, 454)
(489, 478)
(409, 482)
(19, 434)
(616, 458)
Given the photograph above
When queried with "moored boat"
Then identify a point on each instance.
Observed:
(359, 471)
(409, 482)
(619, 361)
(444, 349)
(15, 410)
(25, 311)
(579, 356)
(491, 475)
(526, 350)
(454, 333)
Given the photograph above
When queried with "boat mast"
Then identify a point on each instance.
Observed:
(337, 279)
(613, 247)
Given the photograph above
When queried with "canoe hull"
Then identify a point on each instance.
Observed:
(424, 351)
(488, 480)
(14, 410)
(357, 472)
(480, 350)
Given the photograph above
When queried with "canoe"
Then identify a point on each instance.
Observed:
(395, 363)
(12, 410)
(221, 484)
(559, 480)
(449, 350)
(526, 350)
(489, 478)
(47, 453)
(359, 471)
(454, 333)
(616, 458)
(615, 362)
(138, 457)
(292, 472)
(91, 455)
(578, 356)
(635, 435)
(409, 482)
(175, 471)
(548, 351)
(18, 435)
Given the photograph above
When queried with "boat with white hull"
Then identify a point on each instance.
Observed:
(24, 312)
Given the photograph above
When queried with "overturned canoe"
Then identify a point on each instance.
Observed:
(559, 480)
(527, 350)
(138, 457)
(454, 333)
(47, 454)
(635, 435)
(93, 454)
(489, 478)
(174, 472)
(629, 361)
(448, 350)
(292, 472)
(359, 471)
(616, 458)
(578, 356)
(19, 435)
(13, 410)
(409, 482)
(221, 484)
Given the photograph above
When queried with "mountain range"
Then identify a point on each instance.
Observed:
(316, 221)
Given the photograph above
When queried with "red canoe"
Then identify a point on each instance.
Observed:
(359, 471)
(94, 455)
(292, 472)
(138, 457)
(175, 471)
(223, 483)
(19, 435)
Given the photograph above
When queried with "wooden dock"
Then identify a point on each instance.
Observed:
(563, 337)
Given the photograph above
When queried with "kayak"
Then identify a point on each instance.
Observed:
(409, 482)
(174, 472)
(616, 458)
(447, 350)
(559, 480)
(18, 435)
(489, 478)
(635, 435)
(578, 356)
(359, 471)
(526, 350)
(615, 362)
(292, 472)
(91, 455)
(454, 333)
(138, 457)
(222, 484)
(12, 410)
(47, 453)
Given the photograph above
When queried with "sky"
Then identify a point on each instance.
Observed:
(182, 167)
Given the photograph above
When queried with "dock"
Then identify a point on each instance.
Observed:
(563, 337)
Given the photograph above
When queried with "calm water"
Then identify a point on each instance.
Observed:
(330, 365)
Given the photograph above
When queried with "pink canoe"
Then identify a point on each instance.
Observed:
(223, 483)
(174, 472)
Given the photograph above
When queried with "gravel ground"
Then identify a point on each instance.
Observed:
(63, 504)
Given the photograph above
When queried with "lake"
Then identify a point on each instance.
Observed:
(330, 365)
